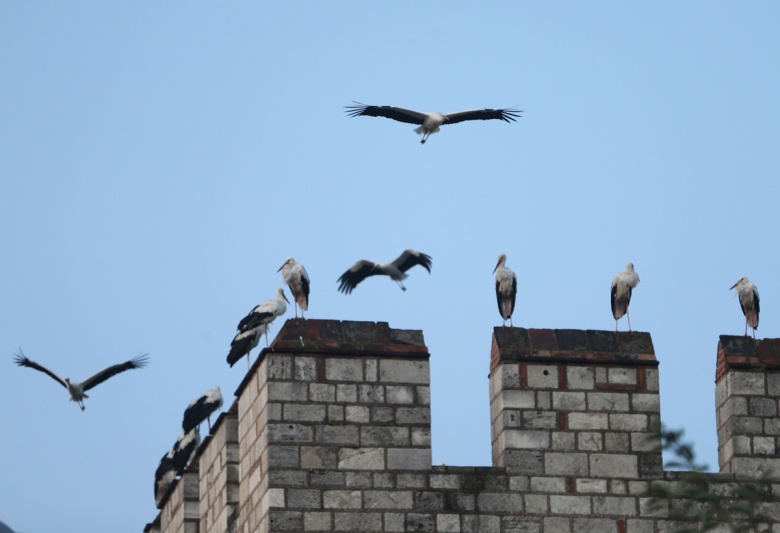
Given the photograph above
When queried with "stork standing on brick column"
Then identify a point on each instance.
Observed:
(262, 315)
(749, 302)
(201, 409)
(506, 289)
(622, 286)
(297, 279)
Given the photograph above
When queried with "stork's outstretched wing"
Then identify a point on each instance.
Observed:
(396, 113)
(22, 360)
(359, 271)
(507, 115)
(410, 258)
(100, 377)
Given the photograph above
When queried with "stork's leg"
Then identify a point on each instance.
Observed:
(511, 325)
(81, 404)
(248, 365)
(746, 324)
(629, 320)
(616, 325)
(208, 419)
(400, 284)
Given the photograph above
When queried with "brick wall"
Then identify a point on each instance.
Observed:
(330, 433)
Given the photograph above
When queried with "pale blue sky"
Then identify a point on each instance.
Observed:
(160, 161)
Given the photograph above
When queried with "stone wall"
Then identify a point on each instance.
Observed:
(330, 433)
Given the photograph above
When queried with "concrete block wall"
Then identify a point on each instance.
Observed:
(747, 398)
(333, 436)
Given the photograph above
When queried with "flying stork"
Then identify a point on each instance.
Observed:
(396, 269)
(201, 409)
(622, 286)
(749, 302)
(78, 390)
(429, 122)
(262, 315)
(297, 279)
(506, 289)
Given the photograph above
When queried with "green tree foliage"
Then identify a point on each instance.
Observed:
(701, 501)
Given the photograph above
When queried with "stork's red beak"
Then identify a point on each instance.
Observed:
(737, 283)
(496, 268)
(281, 267)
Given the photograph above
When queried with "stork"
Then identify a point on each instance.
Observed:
(262, 315)
(78, 390)
(244, 342)
(429, 122)
(174, 462)
(506, 289)
(201, 409)
(622, 286)
(749, 302)
(395, 269)
(297, 279)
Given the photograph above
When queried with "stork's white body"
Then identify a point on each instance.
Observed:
(749, 302)
(622, 286)
(506, 289)
(430, 125)
(296, 277)
(255, 324)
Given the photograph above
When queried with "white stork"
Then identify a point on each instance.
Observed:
(78, 390)
(297, 279)
(262, 315)
(201, 409)
(749, 302)
(429, 122)
(244, 342)
(174, 462)
(396, 269)
(622, 286)
(506, 289)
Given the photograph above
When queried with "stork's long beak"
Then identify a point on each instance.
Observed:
(496, 268)
(737, 283)
(285, 296)
(281, 267)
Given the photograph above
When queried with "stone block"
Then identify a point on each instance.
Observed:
(568, 401)
(400, 394)
(409, 458)
(303, 499)
(616, 442)
(281, 391)
(570, 505)
(404, 371)
(591, 421)
(609, 401)
(384, 436)
(591, 486)
(289, 433)
(594, 525)
(360, 522)
(387, 499)
(344, 434)
(589, 441)
(447, 523)
(361, 459)
(305, 369)
(285, 520)
(381, 415)
(627, 422)
(615, 505)
(429, 501)
(296, 412)
(499, 502)
(542, 376)
(557, 524)
(645, 402)
(346, 393)
(614, 466)
(745, 383)
(762, 406)
(580, 378)
(335, 413)
(413, 415)
(419, 522)
(621, 376)
(526, 439)
(282, 456)
(337, 369)
(515, 399)
(566, 464)
(423, 394)
(421, 437)
(357, 414)
(342, 499)
(651, 379)
(539, 420)
(279, 367)
(563, 441)
(526, 462)
(318, 457)
(371, 393)
(317, 521)
(322, 392)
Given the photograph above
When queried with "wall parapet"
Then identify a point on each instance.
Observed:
(330, 433)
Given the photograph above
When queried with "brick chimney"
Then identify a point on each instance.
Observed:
(574, 403)
(747, 392)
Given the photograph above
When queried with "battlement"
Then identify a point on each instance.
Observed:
(330, 432)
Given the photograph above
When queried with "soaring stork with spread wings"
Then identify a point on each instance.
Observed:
(429, 122)
(78, 390)
(396, 269)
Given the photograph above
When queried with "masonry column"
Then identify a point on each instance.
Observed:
(746, 397)
(575, 404)
(328, 417)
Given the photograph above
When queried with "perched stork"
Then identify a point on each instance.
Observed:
(396, 269)
(244, 342)
(622, 286)
(297, 279)
(201, 409)
(506, 289)
(174, 462)
(257, 319)
(749, 302)
(78, 390)
(429, 122)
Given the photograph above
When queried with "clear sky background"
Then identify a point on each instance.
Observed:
(159, 162)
